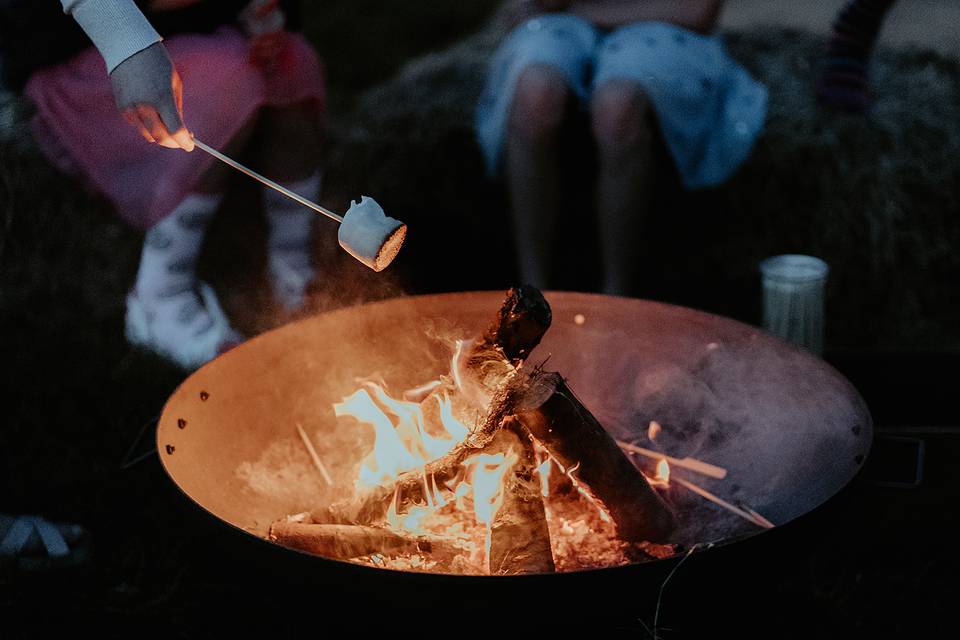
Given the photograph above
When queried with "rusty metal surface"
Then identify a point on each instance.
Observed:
(789, 429)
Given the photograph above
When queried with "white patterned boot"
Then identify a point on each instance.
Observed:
(290, 246)
(169, 311)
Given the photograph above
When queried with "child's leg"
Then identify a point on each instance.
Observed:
(293, 138)
(169, 310)
(621, 119)
(844, 81)
(532, 158)
(542, 68)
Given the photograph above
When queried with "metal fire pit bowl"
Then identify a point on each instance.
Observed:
(789, 429)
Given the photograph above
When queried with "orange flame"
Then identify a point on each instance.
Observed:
(456, 364)
(662, 475)
(663, 471)
(653, 430)
(544, 470)
(583, 491)
(390, 457)
(402, 441)
(487, 481)
(410, 432)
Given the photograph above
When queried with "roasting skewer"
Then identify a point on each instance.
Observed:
(366, 232)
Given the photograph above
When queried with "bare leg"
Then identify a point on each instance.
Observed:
(533, 168)
(290, 146)
(621, 126)
(291, 142)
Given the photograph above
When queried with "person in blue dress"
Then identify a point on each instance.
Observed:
(637, 66)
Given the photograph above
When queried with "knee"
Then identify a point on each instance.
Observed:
(620, 116)
(216, 67)
(213, 60)
(300, 57)
(539, 103)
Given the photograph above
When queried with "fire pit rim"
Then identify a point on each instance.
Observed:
(167, 420)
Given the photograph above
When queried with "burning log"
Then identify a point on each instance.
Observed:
(519, 326)
(575, 439)
(487, 375)
(353, 541)
(411, 487)
(519, 536)
(490, 361)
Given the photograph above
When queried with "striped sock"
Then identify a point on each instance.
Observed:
(166, 282)
(844, 81)
(290, 246)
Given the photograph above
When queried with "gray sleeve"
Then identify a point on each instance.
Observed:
(117, 27)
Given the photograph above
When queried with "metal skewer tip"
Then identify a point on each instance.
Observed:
(366, 232)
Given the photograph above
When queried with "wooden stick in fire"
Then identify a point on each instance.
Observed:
(352, 541)
(691, 464)
(747, 513)
(365, 232)
(317, 462)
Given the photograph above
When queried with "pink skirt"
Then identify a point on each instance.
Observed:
(79, 127)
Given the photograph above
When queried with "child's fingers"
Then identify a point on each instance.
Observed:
(170, 112)
(177, 85)
(154, 124)
(133, 118)
(171, 122)
(184, 139)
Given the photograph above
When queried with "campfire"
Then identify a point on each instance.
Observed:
(713, 422)
(496, 467)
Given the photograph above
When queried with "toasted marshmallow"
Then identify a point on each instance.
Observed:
(369, 235)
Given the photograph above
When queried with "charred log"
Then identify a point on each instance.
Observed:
(520, 324)
(350, 541)
(519, 535)
(574, 437)
(490, 360)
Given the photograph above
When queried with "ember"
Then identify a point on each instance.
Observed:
(492, 469)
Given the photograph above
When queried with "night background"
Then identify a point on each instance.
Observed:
(877, 196)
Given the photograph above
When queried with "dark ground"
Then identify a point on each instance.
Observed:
(874, 562)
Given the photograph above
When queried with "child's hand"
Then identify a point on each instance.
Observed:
(263, 21)
(149, 93)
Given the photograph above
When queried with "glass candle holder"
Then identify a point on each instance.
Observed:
(793, 299)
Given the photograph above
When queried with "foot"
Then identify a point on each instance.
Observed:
(188, 328)
(31, 543)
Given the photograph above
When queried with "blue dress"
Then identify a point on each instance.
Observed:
(708, 107)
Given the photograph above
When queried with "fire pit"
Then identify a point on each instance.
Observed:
(752, 432)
